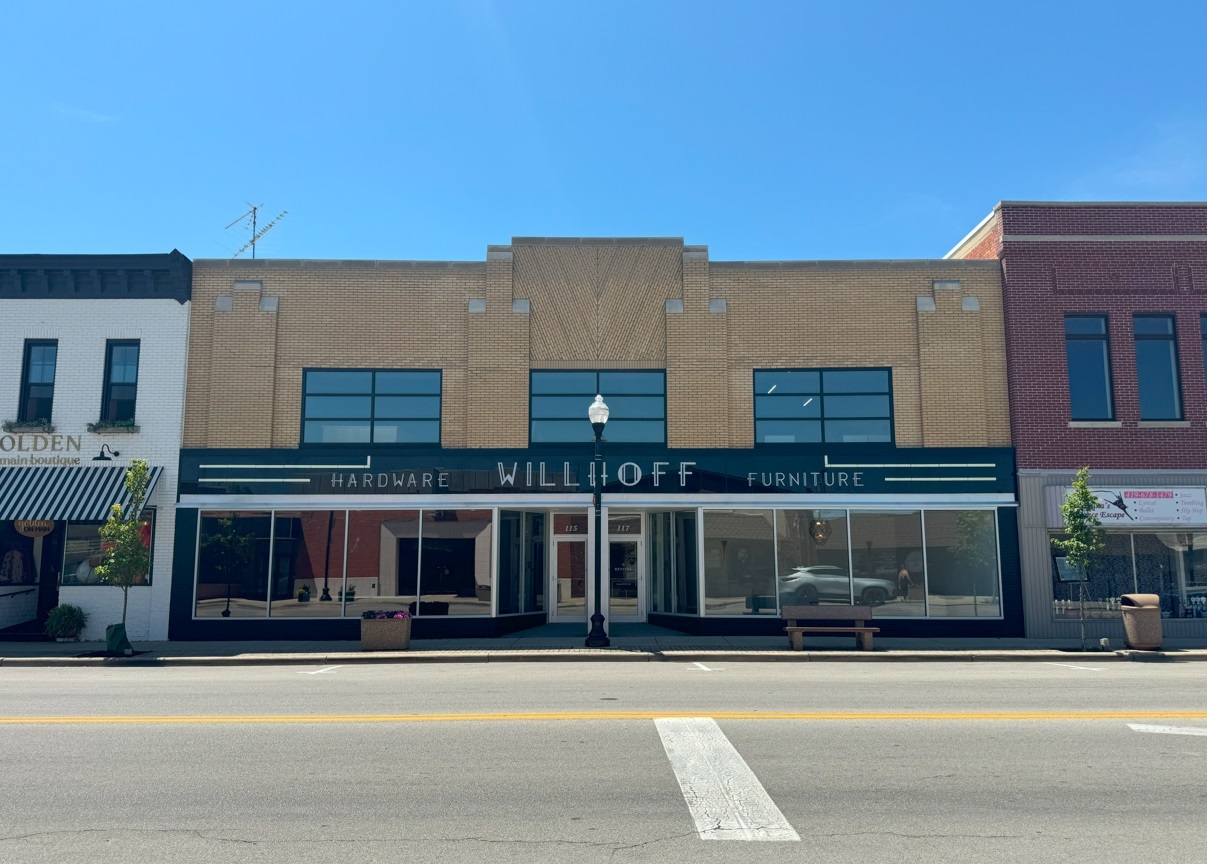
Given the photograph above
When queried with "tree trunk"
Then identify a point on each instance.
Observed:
(125, 600)
(1081, 603)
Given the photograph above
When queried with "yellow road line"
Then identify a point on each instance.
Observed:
(603, 715)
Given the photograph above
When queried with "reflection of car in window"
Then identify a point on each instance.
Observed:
(809, 585)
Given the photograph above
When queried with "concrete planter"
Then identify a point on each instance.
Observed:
(385, 634)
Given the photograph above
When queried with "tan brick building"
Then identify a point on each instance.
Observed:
(794, 431)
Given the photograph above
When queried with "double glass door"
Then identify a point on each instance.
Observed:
(624, 569)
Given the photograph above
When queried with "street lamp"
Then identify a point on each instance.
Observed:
(598, 414)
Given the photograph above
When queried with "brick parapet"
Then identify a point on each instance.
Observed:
(1112, 220)
(597, 305)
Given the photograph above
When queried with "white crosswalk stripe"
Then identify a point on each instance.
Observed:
(1168, 730)
(725, 798)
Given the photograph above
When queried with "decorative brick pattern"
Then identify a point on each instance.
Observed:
(598, 305)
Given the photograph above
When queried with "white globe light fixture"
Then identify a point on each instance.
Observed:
(598, 412)
(598, 415)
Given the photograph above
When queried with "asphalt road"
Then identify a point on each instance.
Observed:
(390, 777)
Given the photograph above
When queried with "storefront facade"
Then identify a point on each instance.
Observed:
(480, 542)
(414, 435)
(1106, 328)
(92, 366)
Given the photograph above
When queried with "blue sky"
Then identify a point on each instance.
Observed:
(403, 130)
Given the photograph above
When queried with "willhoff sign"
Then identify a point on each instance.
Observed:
(803, 470)
(561, 476)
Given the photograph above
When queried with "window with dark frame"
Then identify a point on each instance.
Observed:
(1157, 374)
(558, 401)
(1088, 355)
(1203, 334)
(121, 381)
(835, 406)
(37, 380)
(371, 406)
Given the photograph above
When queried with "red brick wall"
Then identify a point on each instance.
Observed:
(989, 245)
(1023, 219)
(1046, 280)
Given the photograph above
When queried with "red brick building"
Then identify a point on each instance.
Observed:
(1106, 323)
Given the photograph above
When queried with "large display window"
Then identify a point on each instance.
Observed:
(83, 551)
(739, 562)
(1170, 564)
(712, 561)
(337, 563)
(905, 563)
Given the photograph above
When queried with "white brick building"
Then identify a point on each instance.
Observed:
(87, 339)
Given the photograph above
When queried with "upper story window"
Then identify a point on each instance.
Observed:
(802, 406)
(121, 381)
(558, 401)
(1089, 358)
(367, 406)
(1157, 368)
(37, 380)
(1203, 333)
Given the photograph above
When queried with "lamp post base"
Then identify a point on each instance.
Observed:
(597, 638)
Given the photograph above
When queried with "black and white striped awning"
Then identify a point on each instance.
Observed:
(78, 494)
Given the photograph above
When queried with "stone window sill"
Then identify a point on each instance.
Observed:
(1095, 424)
(1164, 424)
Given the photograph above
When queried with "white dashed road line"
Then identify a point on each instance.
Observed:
(726, 800)
(1071, 666)
(317, 671)
(705, 668)
(1168, 730)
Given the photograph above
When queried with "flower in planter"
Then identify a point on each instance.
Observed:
(385, 614)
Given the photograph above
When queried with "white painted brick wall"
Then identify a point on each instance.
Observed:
(82, 328)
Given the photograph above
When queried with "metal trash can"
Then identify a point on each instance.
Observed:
(1141, 621)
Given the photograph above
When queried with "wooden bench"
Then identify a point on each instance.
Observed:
(855, 614)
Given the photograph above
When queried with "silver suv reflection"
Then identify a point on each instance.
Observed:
(822, 582)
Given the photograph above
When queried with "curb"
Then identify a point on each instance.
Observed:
(614, 656)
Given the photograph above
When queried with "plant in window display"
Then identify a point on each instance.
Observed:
(1086, 537)
(227, 554)
(976, 549)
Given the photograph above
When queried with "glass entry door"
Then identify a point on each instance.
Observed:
(569, 582)
(626, 579)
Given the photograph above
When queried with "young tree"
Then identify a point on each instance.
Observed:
(127, 557)
(1086, 539)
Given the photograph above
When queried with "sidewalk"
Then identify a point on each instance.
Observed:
(646, 644)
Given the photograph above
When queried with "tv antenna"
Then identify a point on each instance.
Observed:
(256, 233)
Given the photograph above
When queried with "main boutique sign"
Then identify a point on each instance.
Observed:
(798, 469)
(24, 448)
